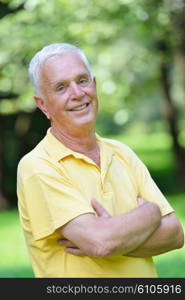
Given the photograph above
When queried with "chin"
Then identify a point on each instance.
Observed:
(86, 120)
(85, 124)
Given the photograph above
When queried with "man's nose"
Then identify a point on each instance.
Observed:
(76, 92)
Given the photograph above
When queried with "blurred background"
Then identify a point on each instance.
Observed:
(137, 51)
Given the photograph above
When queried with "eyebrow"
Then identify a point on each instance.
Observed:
(59, 82)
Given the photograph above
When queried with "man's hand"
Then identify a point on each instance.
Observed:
(71, 247)
(141, 201)
(99, 209)
(141, 232)
(101, 212)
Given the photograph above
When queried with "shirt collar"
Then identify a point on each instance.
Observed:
(55, 148)
(58, 150)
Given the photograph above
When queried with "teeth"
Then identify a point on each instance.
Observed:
(80, 107)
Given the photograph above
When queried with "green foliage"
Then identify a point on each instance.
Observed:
(120, 38)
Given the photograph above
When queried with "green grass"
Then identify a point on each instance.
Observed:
(14, 260)
(172, 263)
(154, 150)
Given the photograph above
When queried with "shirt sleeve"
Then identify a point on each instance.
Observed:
(51, 201)
(147, 188)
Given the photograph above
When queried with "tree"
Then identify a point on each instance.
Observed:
(134, 48)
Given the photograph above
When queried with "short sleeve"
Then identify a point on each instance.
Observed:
(51, 201)
(147, 188)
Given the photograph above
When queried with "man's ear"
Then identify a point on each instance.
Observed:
(41, 105)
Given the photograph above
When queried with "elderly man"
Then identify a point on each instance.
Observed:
(88, 205)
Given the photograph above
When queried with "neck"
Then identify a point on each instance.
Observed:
(83, 142)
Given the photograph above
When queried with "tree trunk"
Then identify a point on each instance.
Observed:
(4, 204)
(170, 115)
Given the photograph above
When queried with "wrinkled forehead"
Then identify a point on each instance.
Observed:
(63, 66)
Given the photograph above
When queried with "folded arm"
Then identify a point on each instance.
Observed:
(104, 235)
(168, 236)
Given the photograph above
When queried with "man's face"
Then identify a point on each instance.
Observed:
(69, 95)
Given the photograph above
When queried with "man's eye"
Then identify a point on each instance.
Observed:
(83, 81)
(61, 88)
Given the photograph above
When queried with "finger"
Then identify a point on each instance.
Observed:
(65, 242)
(75, 251)
(99, 209)
(141, 201)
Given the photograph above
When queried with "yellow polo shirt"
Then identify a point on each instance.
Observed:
(56, 184)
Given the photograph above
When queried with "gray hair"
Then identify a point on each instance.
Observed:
(50, 50)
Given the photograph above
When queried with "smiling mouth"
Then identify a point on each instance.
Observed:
(81, 107)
